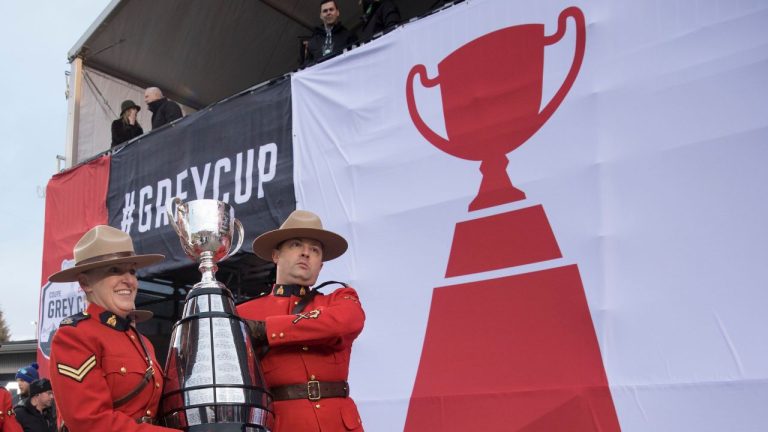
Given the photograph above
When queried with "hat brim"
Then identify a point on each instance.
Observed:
(334, 245)
(140, 315)
(138, 108)
(70, 274)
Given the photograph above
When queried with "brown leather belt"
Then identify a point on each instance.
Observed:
(312, 390)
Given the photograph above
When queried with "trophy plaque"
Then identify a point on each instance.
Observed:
(213, 378)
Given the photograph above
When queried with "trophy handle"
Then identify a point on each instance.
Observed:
(425, 130)
(578, 57)
(175, 202)
(240, 235)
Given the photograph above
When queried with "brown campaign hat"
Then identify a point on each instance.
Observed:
(101, 246)
(300, 224)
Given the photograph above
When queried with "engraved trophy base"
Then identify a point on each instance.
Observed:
(221, 393)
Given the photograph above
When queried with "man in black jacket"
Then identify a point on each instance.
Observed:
(163, 110)
(329, 39)
(35, 415)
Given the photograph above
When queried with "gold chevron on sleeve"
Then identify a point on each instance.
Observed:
(79, 373)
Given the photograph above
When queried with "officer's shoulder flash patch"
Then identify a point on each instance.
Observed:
(73, 320)
(78, 373)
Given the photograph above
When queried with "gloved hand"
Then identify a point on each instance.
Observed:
(258, 331)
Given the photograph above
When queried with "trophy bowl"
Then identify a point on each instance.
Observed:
(205, 225)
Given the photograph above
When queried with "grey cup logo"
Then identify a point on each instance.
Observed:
(232, 179)
(58, 301)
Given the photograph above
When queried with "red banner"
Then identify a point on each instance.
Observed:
(75, 201)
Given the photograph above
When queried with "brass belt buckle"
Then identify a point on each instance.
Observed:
(313, 390)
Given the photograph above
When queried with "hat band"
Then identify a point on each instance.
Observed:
(105, 257)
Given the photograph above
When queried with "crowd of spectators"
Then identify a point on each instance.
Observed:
(35, 410)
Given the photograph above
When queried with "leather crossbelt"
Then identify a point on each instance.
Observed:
(312, 390)
(131, 394)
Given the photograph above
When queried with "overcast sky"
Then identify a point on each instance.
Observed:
(35, 37)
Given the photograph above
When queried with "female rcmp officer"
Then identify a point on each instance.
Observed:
(104, 373)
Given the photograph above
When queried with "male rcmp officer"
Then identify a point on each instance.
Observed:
(308, 335)
(103, 371)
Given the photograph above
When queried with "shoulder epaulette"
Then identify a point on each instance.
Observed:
(73, 320)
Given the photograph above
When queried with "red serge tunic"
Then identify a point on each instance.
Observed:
(313, 345)
(8, 421)
(96, 358)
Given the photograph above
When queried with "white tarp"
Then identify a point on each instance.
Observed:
(651, 173)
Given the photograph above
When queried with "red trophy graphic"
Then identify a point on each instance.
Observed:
(515, 353)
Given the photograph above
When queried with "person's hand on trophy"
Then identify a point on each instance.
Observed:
(258, 331)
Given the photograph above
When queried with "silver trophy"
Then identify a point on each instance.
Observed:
(213, 378)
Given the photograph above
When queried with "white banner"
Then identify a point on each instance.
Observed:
(649, 172)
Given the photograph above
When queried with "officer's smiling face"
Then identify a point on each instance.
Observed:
(113, 287)
(298, 261)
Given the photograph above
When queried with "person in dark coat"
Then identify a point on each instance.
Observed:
(329, 39)
(378, 16)
(126, 127)
(163, 110)
(35, 415)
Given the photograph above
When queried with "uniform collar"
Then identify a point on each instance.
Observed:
(289, 290)
(108, 318)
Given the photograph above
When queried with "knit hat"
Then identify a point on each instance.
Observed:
(28, 373)
(39, 386)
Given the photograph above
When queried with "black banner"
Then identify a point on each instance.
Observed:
(238, 151)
